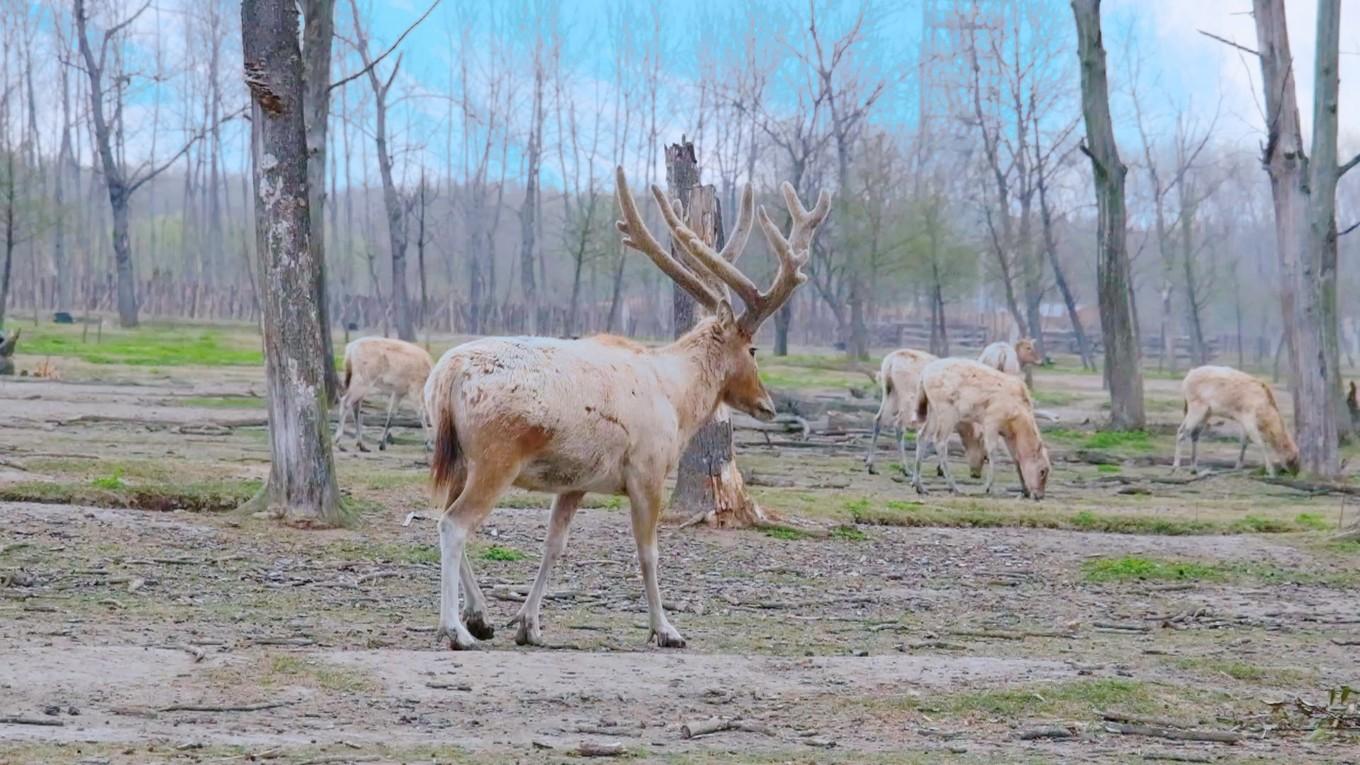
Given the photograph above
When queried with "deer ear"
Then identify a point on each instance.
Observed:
(726, 319)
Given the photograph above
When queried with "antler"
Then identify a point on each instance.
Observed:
(717, 263)
(792, 252)
(636, 236)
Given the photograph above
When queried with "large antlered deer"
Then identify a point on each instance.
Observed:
(600, 414)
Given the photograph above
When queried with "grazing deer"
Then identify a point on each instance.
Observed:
(383, 365)
(898, 378)
(954, 391)
(1011, 359)
(1212, 391)
(600, 414)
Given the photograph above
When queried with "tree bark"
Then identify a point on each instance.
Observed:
(682, 177)
(302, 488)
(318, 32)
(1118, 329)
(527, 210)
(1304, 197)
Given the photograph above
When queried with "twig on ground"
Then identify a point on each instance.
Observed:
(1176, 734)
(198, 653)
(20, 720)
(591, 749)
(224, 707)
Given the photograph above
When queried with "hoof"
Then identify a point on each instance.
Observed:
(476, 624)
(870, 469)
(527, 635)
(360, 446)
(921, 489)
(455, 643)
(671, 639)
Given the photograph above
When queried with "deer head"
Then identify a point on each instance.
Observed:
(741, 385)
(1026, 352)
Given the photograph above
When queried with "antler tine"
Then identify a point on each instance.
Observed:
(793, 254)
(638, 237)
(719, 265)
(737, 244)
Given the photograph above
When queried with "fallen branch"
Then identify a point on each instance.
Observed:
(17, 720)
(1175, 734)
(195, 651)
(224, 707)
(718, 725)
(1312, 487)
(1045, 731)
(1175, 757)
(590, 749)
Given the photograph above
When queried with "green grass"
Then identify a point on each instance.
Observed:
(1312, 521)
(1133, 568)
(1081, 699)
(1248, 673)
(330, 677)
(786, 534)
(1054, 398)
(499, 553)
(220, 402)
(1109, 469)
(152, 345)
(848, 534)
(111, 482)
(1134, 440)
(199, 496)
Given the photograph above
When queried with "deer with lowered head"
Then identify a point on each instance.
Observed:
(600, 414)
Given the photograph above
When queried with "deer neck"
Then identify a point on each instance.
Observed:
(693, 375)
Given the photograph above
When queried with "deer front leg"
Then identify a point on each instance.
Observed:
(922, 441)
(340, 426)
(873, 441)
(359, 426)
(989, 443)
(645, 502)
(564, 509)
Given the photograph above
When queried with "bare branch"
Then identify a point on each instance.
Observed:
(1228, 42)
(369, 66)
(1348, 229)
(137, 182)
(1348, 166)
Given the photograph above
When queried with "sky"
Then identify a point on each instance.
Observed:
(1177, 67)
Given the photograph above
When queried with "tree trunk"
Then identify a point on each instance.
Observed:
(1305, 225)
(682, 177)
(1198, 350)
(530, 206)
(1117, 325)
(1051, 247)
(707, 483)
(302, 488)
(318, 32)
(782, 320)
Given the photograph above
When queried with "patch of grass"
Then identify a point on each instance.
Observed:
(1245, 672)
(499, 553)
(1054, 397)
(221, 402)
(1134, 440)
(152, 345)
(1082, 699)
(781, 532)
(1258, 525)
(393, 552)
(1312, 521)
(1086, 520)
(324, 675)
(1133, 568)
(848, 534)
(1108, 469)
(203, 496)
(979, 515)
(111, 482)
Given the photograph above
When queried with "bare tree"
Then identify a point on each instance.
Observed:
(318, 34)
(301, 488)
(119, 182)
(1304, 191)
(1123, 369)
(393, 200)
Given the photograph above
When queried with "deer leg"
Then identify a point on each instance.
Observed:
(340, 426)
(1190, 427)
(922, 442)
(1242, 453)
(1249, 430)
(989, 443)
(387, 426)
(564, 509)
(474, 607)
(873, 441)
(645, 502)
(902, 450)
(942, 449)
(359, 425)
(462, 516)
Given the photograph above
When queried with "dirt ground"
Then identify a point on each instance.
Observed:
(897, 629)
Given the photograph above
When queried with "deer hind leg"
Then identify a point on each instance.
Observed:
(989, 443)
(387, 425)
(474, 602)
(873, 441)
(486, 480)
(564, 509)
(359, 424)
(340, 426)
(922, 443)
(902, 450)
(1242, 452)
(1191, 426)
(645, 501)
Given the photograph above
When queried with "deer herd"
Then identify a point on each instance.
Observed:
(607, 415)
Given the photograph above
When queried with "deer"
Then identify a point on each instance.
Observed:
(955, 391)
(601, 414)
(1215, 391)
(898, 378)
(1011, 359)
(383, 365)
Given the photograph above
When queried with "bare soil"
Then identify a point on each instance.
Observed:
(918, 642)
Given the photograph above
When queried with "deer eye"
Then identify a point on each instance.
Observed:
(753, 351)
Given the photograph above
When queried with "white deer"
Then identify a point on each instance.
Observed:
(600, 414)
